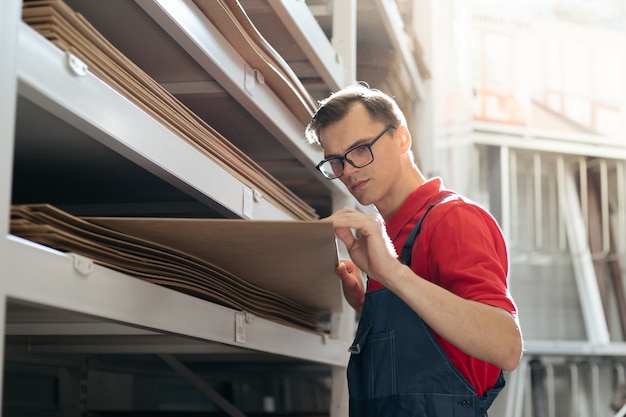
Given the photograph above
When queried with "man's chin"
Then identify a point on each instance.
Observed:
(361, 196)
(363, 200)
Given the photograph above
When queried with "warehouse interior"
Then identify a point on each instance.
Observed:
(187, 117)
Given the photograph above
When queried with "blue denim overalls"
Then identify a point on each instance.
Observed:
(398, 369)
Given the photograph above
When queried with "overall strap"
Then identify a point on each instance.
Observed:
(407, 249)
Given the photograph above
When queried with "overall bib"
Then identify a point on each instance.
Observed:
(398, 369)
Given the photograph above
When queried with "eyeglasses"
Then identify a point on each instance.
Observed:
(358, 157)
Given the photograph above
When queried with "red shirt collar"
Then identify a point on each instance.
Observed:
(414, 203)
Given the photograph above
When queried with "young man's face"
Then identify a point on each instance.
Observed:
(369, 183)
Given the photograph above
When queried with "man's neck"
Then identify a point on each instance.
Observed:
(401, 190)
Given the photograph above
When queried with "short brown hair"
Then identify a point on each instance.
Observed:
(380, 106)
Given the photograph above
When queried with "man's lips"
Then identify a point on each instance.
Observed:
(357, 185)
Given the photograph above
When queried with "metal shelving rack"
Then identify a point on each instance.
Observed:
(110, 303)
(71, 309)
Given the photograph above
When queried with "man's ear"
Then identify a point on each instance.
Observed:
(404, 138)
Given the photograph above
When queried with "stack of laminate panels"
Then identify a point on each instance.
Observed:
(234, 24)
(279, 270)
(72, 33)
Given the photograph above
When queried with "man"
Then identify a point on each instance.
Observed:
(438, 326)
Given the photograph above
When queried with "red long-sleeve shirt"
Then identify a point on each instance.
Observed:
(460, 248)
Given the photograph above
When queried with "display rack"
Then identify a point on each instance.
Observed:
(86, 308)
(104, 302)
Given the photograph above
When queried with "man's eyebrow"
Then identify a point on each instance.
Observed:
(356, 144)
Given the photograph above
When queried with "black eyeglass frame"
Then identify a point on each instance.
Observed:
(345, 155)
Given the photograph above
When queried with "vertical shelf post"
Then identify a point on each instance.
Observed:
(588, 291)
(343, 328)
(344, 37)
(10, 12)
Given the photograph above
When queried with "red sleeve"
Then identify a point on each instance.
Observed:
(468, 254)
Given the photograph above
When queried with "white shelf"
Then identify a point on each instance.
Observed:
(573, 348)
(188, 26)
(306, 32)
(547, 141)
(42, 276)
(93, 107)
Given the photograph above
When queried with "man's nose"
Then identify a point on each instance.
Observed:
(348, 168)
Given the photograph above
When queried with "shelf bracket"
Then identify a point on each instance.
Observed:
(241, 319)
(252, 77)
(76, 66)
(82, 265)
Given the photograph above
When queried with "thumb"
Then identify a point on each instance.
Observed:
(342, 270)
(345, 235)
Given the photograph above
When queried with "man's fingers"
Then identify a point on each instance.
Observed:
(345, 235)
